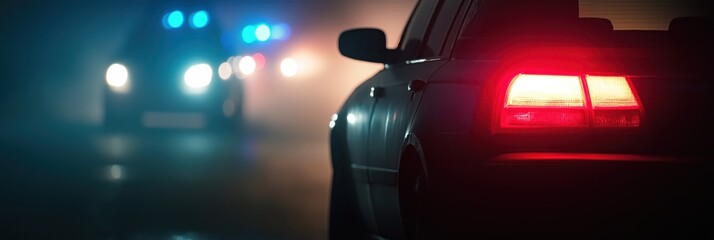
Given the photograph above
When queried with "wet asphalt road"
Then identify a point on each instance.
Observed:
(69, 181)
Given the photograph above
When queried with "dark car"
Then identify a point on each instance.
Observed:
(530, 119)
(171, 73)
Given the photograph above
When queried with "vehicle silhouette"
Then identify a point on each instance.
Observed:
(157, 55)
(529, 119)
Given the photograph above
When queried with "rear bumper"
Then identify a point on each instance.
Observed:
(579, 157)
(585, 195)
(134, 111)
(170, 107)
(165, 101)
(570, 187)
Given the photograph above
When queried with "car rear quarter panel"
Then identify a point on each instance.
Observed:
(448, 116)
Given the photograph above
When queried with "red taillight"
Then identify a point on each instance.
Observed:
(544, 101)
(557, 101)
(613, 101)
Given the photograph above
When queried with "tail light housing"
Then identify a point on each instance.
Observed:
(570, 101)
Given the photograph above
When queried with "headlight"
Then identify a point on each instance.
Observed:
(198, 76)
(225, 71)
(247, 65)
(289, 67)
(117, 75)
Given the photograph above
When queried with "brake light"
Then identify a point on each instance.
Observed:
(614, 103)
(546, 91)
(544, 101)
(566, 101)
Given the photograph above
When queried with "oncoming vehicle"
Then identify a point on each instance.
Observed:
(526, 119)
(170, 74)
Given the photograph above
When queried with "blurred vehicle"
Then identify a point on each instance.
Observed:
(529, 119)
(171, 73)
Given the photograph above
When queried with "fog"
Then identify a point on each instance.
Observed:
(64, 174)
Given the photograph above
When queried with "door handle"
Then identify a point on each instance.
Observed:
(416, 85)
(376, 92)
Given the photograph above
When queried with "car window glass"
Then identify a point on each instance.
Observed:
(509, 18)
(644, 14)
(412, 41)
(440, 30)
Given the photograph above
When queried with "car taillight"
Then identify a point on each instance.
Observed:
(613, 101)
(570, 101)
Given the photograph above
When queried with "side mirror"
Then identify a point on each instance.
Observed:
(366, 44)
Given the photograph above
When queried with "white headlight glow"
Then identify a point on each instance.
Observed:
(289, 67)
(225, 71)
(198, 76)
(247, 65)
(117, 75)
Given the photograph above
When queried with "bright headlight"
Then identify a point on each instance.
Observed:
(117, 75)
(289, 67)
(198, 76)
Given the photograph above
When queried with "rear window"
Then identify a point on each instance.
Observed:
(512, 18)
(642, 14)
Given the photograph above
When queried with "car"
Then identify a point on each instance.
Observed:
(172, 73)
(529, 119)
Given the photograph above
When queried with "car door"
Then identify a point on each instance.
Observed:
(357, 111)
(421, 54)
